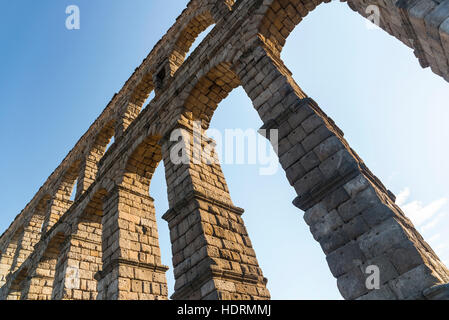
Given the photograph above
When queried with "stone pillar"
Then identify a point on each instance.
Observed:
(7, 256)
(349, 211)
(79, 262)
(31, 235)
(131, 105)
(132, 268)
(39, 284)
(213, 256)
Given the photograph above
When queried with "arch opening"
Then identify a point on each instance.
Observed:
(141, 165)
(183, 45)
(61, 200)
(89, 167)
(379, 110)
(275, 44)
(199, 39)
(17, 286)
(68, 182)
(280, 19)
(222, 87)
(210, 90)
(31, 233)
(8, 256)
(142, 96)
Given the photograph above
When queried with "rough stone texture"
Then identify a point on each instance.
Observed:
(104, 244)
(212, 254)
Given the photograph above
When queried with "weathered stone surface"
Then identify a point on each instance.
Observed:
(352, 284)
(412, 284)
(356, 205)
(384, 293)
(345, 258)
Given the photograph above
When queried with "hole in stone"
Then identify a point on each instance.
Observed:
(73, 194)
(148, 100)
(111, 142)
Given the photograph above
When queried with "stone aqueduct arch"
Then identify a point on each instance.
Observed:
(104, 244)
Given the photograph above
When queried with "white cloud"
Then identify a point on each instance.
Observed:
(402, 196)
(416, 210)
(427, 219)
(434, 222)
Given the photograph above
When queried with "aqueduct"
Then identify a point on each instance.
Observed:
(104, 244)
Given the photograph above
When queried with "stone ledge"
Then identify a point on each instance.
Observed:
(195, 195)
(439, 292)
(117, 262)
(318, 193)
(225, 275)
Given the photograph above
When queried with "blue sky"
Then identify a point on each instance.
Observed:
(55, 82)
